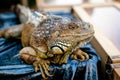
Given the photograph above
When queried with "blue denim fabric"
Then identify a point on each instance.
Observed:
(16, 69)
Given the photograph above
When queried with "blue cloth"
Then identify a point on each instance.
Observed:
(15, 68)
(8, 19)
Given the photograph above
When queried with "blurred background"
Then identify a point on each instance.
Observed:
(7, 4)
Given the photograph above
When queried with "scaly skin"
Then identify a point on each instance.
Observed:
(52, 40)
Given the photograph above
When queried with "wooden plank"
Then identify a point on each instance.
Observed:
(39, 3)
(91, 5)
(55, 3)
(115, 71)
(51, 9)
(117, 0)
(55, 6)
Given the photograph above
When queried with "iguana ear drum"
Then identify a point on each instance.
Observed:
(60, 48)
(57, 50)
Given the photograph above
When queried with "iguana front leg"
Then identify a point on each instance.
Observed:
(80, 55)
(29, 55)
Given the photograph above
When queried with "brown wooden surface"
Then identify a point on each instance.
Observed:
(116, 71)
